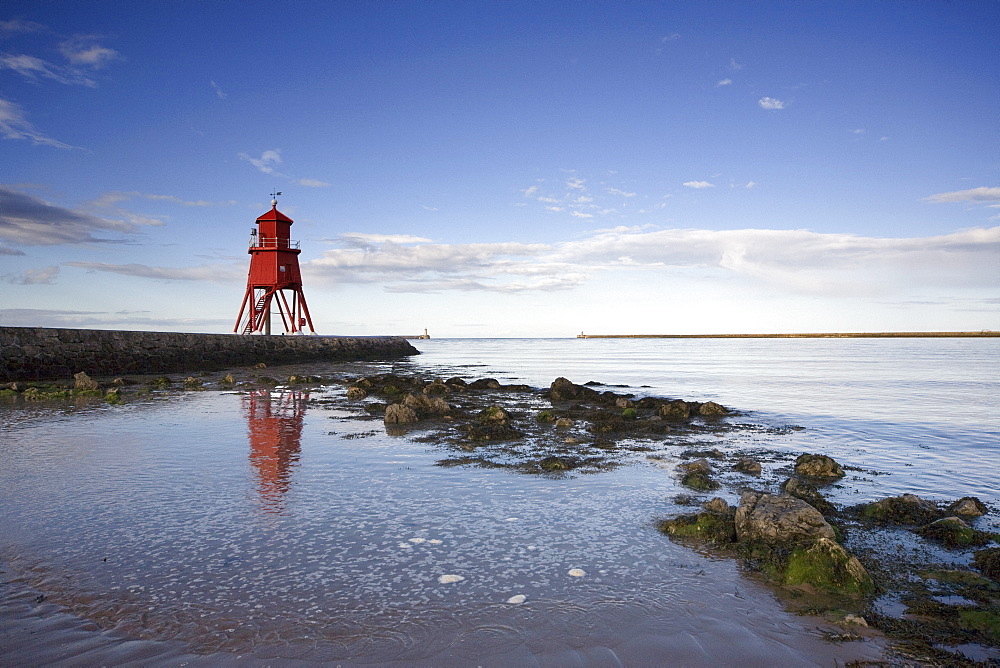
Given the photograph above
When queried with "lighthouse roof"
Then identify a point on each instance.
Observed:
(274, 214)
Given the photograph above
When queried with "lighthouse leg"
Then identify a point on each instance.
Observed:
(305, 310)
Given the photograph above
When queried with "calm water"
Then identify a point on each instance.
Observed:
(275, 524)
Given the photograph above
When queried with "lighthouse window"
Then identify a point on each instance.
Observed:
(281, 268)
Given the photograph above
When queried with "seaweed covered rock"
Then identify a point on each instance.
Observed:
(491, 424)
(355, 393)
(399, 414)
(675, 410)
(747, 466)
(953, 532)
(697, 475)
(988, 562)
(708, 527)
(818, 466)
(714, 526)
(779, 520)
(825, 565)
(437, 388)
(484, 384)
(908, 509)
(968, 506)
(425, 405)
(566, 390)
(84, 382)
(808, 492)
(712, 409)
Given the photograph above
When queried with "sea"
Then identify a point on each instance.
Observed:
(249, 528)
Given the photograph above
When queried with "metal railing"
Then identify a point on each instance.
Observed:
(273, 242)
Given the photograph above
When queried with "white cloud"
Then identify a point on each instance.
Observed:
(580, 214)
(698, 184)
(770, 103)
(266, 162)
(371, 241)
(575, 184)
(750, 184)
(224, 273)
(15, 125)
(219, 93)
(623, 193)
(83, 50)
(313, 183)
(30, 317)
(18, 26)
(30, 221)
(44, 276)
(973, 195)
(733, 65)
(724, 82)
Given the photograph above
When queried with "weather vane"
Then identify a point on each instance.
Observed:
(274, 197)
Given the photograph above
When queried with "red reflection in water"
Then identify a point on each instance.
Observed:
(274, 424)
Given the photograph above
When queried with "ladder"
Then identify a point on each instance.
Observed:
(254, 317)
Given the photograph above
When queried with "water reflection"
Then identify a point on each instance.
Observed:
(274, 428)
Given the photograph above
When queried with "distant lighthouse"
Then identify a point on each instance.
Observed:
(274, 271)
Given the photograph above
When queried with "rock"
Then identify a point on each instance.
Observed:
(437, 388)
(855, 620)
(564, 423)
(697, 466)
(779, 519)
(564, 390)
(675, 410)
(456, 383)
(717, 505)
(84, 382)
(712, 409)
(484, 384)
(354, 393)
(491, 424)
(808, 493)
(824, 564)
(425, 405)
(968, 506)
(748, 466)
(399, 414)
(708, 527)
(699, 481)
(622, 402)
(228, 380)
(953, 532)
(908, 509)
(818, 466)
(493, 415)
(988, 562)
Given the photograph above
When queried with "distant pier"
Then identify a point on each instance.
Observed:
(425, 335)
(815, 335)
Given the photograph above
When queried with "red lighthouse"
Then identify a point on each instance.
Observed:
(274, 270)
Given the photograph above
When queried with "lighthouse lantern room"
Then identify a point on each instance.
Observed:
(274, 278)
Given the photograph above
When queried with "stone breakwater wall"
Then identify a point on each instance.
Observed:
(41, 353)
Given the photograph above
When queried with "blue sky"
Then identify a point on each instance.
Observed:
(505, 168)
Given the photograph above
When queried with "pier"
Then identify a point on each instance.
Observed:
(814, 335)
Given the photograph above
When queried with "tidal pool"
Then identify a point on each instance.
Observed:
(278, 525)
